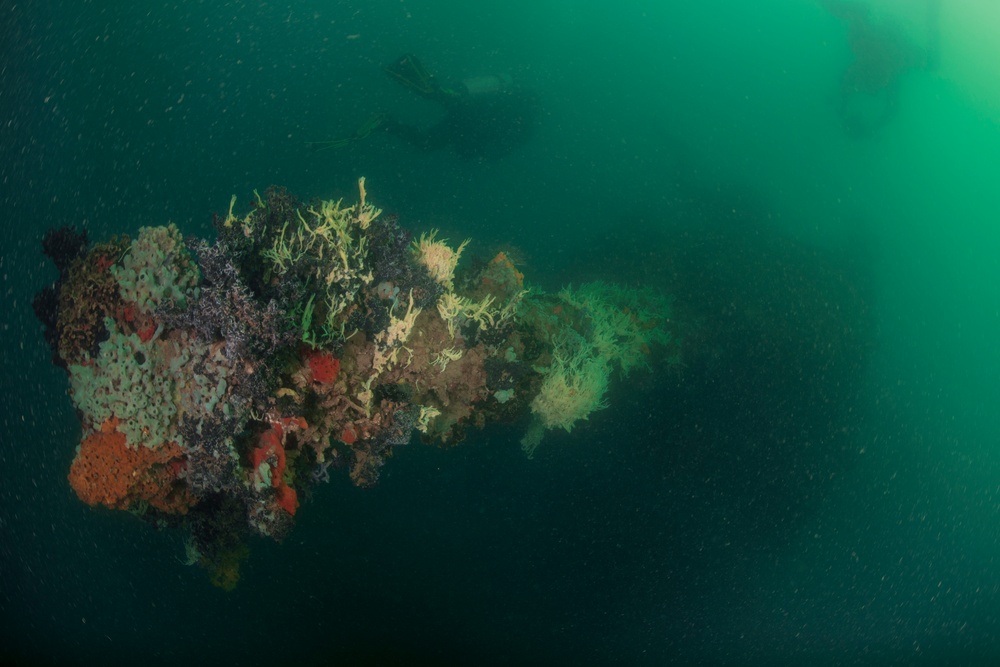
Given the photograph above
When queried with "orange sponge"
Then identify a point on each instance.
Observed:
(108, 472)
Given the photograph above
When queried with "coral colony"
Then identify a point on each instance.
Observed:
(216, 383)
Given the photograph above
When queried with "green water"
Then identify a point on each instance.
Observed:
(818, 482)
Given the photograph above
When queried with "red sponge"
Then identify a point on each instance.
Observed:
(324, 367)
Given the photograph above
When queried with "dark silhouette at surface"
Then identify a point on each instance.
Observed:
(868, 98)
(485, 116)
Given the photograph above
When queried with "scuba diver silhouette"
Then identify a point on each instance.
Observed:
(868, 98)
(485, 116)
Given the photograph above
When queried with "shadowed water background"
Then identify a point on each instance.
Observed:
(818, 481)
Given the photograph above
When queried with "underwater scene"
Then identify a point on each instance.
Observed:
(403, 332)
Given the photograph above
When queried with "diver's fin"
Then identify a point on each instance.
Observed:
(317, 146)
(408, 71)
(373, 123)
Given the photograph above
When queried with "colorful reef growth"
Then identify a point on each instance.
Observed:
(216, 383)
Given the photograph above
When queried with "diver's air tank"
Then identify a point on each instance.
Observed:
(490, 84)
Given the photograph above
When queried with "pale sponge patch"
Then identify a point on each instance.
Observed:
(158, 270)
(127, 381)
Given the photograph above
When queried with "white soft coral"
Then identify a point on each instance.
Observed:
(439, 259)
